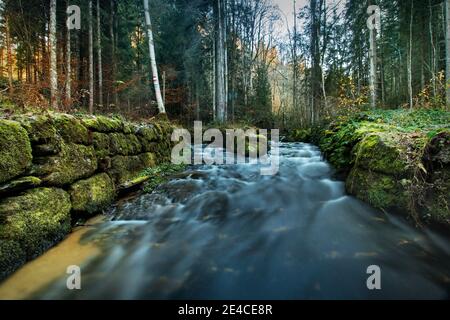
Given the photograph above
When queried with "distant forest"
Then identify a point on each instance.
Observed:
(225, 60)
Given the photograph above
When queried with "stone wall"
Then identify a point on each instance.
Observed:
(57, 167)
(392, 169)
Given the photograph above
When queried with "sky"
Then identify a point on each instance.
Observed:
(287, 7)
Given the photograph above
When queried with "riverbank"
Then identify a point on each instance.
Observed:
(226, 232)
(396, 161)
(56, 169)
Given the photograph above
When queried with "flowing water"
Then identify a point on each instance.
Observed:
(226, 232)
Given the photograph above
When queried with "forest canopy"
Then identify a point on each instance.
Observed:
(225, 60)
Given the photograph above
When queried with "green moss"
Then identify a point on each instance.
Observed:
(73, 163)
(40, 128)
(92, 195)
(101, 143)
(129, 128)
(48, 149)
(160, 174)
(124, 145)
(36, 220)
(19, 185)
(103, 124)
(300, 135)
(15, 150)
(12, 256)
(338, 138)
(147, 137)
(71, 129)
(383, 153)
(380, 190)
(125, 168)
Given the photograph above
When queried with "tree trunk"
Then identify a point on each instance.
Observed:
(213, 82)
(220, 40)
(91, 61)
(373, 69)
(99, 55)
(447, 50)
(410, 90)
(315, 58)
(53, 57)
(68, 65)
(9, 56)
(294, 59)
(113, 55)
(151, 46)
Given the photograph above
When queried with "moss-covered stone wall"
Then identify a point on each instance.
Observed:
(56, 167)
(397, 161)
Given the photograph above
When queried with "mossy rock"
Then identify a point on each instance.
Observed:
(147, 136)
(102, 144)
(92, 195)
(437, 201)
(129, 128)
(71, 129)
(125, 168)
(12, 257)
(52, 148)
(19, 185)
(381, 152)
(437, 152)
(103, 124)
(75, 162)
(41, 128)
(36, 220)
(15, 147)
(379, 190)
(124, 144)
(437, 161)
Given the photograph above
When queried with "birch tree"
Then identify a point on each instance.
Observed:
(151, 46)
(53, 56)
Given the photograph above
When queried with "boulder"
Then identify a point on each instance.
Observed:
(15, 150)
(125, 168)
(12, 256)
(36, 220)
(380, 190)
(103, 124)
(19, 185)
(75, 162)
(71, 129)
(147, 136)
(382, 153)
(92, 195)
(101, 143)
(437, 161)
(40, 128)
(124, 144)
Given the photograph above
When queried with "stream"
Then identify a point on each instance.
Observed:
(227, 232)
